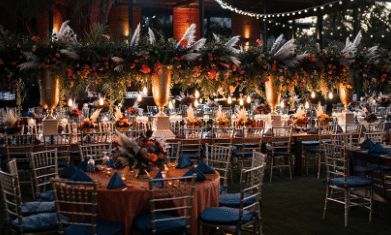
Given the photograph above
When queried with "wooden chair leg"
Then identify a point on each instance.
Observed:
(325, 202)
(271, 168)
(346, 207)
(290, 167)
(319, 162)
(371, 205)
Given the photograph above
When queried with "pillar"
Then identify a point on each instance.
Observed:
(119, 20)
(247, 27)
(183, 18)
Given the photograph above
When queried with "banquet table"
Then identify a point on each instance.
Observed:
(125, 203)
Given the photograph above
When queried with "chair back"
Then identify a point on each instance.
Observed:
(375, 137)
(258, 159)
(11, 194)
(219, 158)
(376, 127)
(222, 136)
(325, 132)
(342, 139)
(94, 150)
(177, 192)
(94, 137)
(250, 187)
(253, 136)
(19, 144)
(335, 161)
(133, 134)
(173, 150)
(191, 140)
(44, 168)
(355, 130)
(61, 142)
(77, 200)
(281, 140)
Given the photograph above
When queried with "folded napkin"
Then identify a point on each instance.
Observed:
(205, 168)
(184, 162)
(200, 175)
(115, 182)
(313, 130)
(69, 172)
(339, 129)
(367, 144)
(112, 163)
(80, 175)
(159, 184)
(377, 149)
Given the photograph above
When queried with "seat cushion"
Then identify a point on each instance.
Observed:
(103, 227)
(233, 200)
(62, 163)
(313, 150)
(37, 207)
(240, 153)
(351, 181)
(142, 224)
(190, 155)
(38, 222)
(47, 196)
(222, 188)
(225, 216)
(245, 145)
(76, 152)
(379, 167)
(309, 143)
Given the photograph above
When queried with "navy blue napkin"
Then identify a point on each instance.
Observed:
(80, 175)
(377, 149)
(69, 172)
(115, 182)
(367, 144)
(159, 184)
(205, 168)
(200, 175)
(112, 163)
(184, 162)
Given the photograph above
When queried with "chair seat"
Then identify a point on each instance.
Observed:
(380, 167)
(240, 153)
(103, 227)
(142, 224)
(225, 216)
(19, 165)
(37, 207)
(222, 188)
(313, 150)
(38, 222)
(190, 155)
(76, 152)
(309, 143)
(351, 181)
(233, 200)
(47, 196)
(245, 145)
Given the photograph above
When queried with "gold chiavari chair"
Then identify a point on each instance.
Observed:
(133, 134)
(173, 150)
(222, 136)
(375, 137)
(376, 127)
(281, 156)
(61, 142)
(191, 142)
(219, 158)
(94, 150)
(342, 188)
(94, 137)
(355, 130)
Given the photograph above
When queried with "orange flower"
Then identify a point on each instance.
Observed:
(57, 55)
(140, 143)
(151, 143)
(161, 155)
(329, 66)
(1, 62)
(145, 69)
(133, 65)
(183, 43)
(35, 38)
(153, 157)
(259, 42)
(106, 36)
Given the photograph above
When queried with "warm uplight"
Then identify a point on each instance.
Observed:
(330, 95)
(170, 106)
(196, 103)
(101, 101)
(229, 100)
(248, 99)
(197, 94)
(145, 90)
(139, 97)
(282, 104)
(307, 105)
(312, 95)
(70, 103)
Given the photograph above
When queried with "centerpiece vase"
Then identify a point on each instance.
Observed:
(273, 94)
(345, 93)
(142, 173)
(161, 90)
(49, 85)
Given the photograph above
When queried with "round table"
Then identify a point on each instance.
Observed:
(125, 203)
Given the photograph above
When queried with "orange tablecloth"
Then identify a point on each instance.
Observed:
(125, 203)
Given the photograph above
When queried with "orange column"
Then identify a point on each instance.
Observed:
(247, 27)
(119, 18)
(183, 18)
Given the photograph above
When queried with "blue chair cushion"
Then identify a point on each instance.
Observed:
(103, 227)
(222, 188)
(190, 155)
(379, 167)
(37, 207)
(47, 196)
(38, 222)
(313, 150)
(309, 143)
(225, 216)
(233, 200)
(245, 145)
(240, 153)
(351, 181)
(76, 152)
(143, 225)
(18, 155)
(62, 163)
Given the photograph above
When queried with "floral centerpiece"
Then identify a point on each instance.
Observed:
(262, 109)
(242, 119)
(384, 101)
(323, 119)
(212, 104)
(141, 153)
(74, 113)
(370, 117)
(87, 125)
(191, 120)
(185, 99)
(122, 123)
(299, 118)
(221, 120)
(101, 105)
(11, 122)
(134, 110)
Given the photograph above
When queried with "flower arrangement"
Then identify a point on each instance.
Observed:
(87, 125)
(121, 122)
(323, 119)
(242, 119)
(141, 152)
(384, 101)
(211, 103)
(191, 120)
(299, 118)
(11, 122)
(221, 118)
(134, 110)
(262, 109)
(74, 113)
(185, 99)
(370, 117)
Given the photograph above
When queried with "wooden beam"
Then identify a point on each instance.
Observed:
(130, 15)
(202, 16)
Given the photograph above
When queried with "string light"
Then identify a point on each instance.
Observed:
(282, 104)
(197, 94)
(229, 100)
(101, 102)
(70, 103)
(145, 90)
(248, 99)
(330, 95)
(241, 102)
(196, 103)
(139, 97)
(170, 106)
(307, 105)
(312, 95)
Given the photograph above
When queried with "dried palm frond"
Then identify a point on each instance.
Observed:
(216, 37)
(95, 115)
(71, 54)
(151, 36)
(189, 35)
(220, 114)
(118, 114)
(241, 114)
(351, 47)
(136, 36)
(191, 56)
(197, 45)
(299, 112)
(9, 118)
(285, 50)
(277, 43)
(319, 110)
(190, 114)
(232, 43)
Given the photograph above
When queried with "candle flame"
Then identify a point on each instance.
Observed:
(197, 94)
(101, 102)
(241, 102)
(139, 97)
(196, 103)
(70, 103)
(330, 95)
(229, 100)
(282, 104)
(312, 94)
(248, 99)
(307, 105)
(170, 106)
(145, 90)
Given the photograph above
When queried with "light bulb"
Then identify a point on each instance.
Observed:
(145, 90)
(282, 104)
(70, 103)
(248, 99)
(241, 102)
(201, 101)
(307, 105)
(196, 103)
(330, 95)
(312, 95)
(139, 97)
(229, 100)
(170, 106)
(197, 94)
(101, 102)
